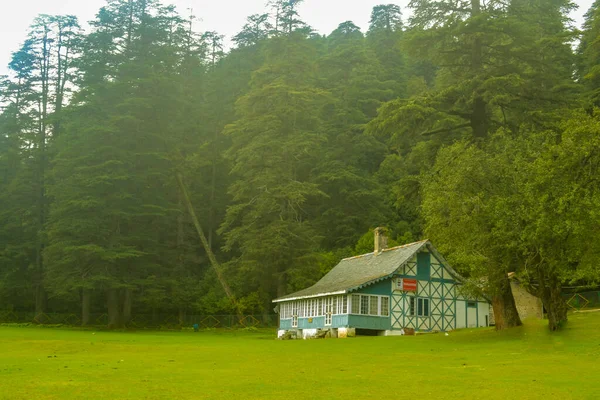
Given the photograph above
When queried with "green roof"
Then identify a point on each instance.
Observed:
(356, 272)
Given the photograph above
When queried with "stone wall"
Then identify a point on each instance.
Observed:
(528, 305)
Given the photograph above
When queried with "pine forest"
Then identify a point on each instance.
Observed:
(148, 168)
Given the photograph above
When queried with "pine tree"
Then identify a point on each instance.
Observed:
(589, 54)
(35, 94)
(255, 31)
(275, 140)
(113, 213)
(384, 38)
(349, 160)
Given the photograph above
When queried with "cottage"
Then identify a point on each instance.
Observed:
(386, 292)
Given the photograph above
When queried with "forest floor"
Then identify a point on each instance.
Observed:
(522, 363)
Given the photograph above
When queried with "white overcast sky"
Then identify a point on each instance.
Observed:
(223, 16)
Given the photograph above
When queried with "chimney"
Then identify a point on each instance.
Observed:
(380, 240)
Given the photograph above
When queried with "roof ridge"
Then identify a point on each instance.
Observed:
(359, 256)
(405, 245)
(391, 248)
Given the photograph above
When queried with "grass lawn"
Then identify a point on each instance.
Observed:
(524, 363)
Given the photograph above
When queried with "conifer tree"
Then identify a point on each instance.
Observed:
(275, 142)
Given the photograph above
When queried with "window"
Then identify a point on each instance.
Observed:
(334, 309)
(385, 306)
(295, 321)
(364, 305)
(320, 307)
(423, 307)
(411, 305)
(328, 310)
(345, 300)
(355, 304)
(472, 304)
(374, 305)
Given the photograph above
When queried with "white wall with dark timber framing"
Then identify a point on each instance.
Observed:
(447, 307)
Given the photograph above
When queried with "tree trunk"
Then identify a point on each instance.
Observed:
(503, 303)
(479, 118)
(126, 306)
(550, 292)
(114, 309)
(211, 256)
(282, 284)
(86, 296)
(41, 299)
(182, 316)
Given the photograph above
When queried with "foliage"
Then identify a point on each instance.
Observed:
(461, 123)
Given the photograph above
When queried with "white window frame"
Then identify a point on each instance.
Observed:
(387, 306)
(420, 310)
(374, 304)
(357, 303)
(328, 310)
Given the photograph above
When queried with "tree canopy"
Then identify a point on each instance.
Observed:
(471, 123)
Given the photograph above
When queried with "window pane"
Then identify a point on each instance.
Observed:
(385, 307)
(345, 300)
(411, 300)
(334, 309)
(355, 304)
(419, 307)
(364, 305)
(426, 307)
(373, 305)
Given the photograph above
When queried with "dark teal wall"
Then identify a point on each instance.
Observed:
(339, 321)
(369, 322)
(285, 324)
(423, 266)
(317, 322)
(383, 288)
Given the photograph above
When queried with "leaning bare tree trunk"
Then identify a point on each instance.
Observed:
(85, 306)
(503, 303)
(211, 256)
(114, 309)
(550, 292)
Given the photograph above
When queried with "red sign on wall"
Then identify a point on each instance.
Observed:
(409, 285)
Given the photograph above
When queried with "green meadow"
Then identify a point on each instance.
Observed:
(523, 363)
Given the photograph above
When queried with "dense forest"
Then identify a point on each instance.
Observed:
(471, 123)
